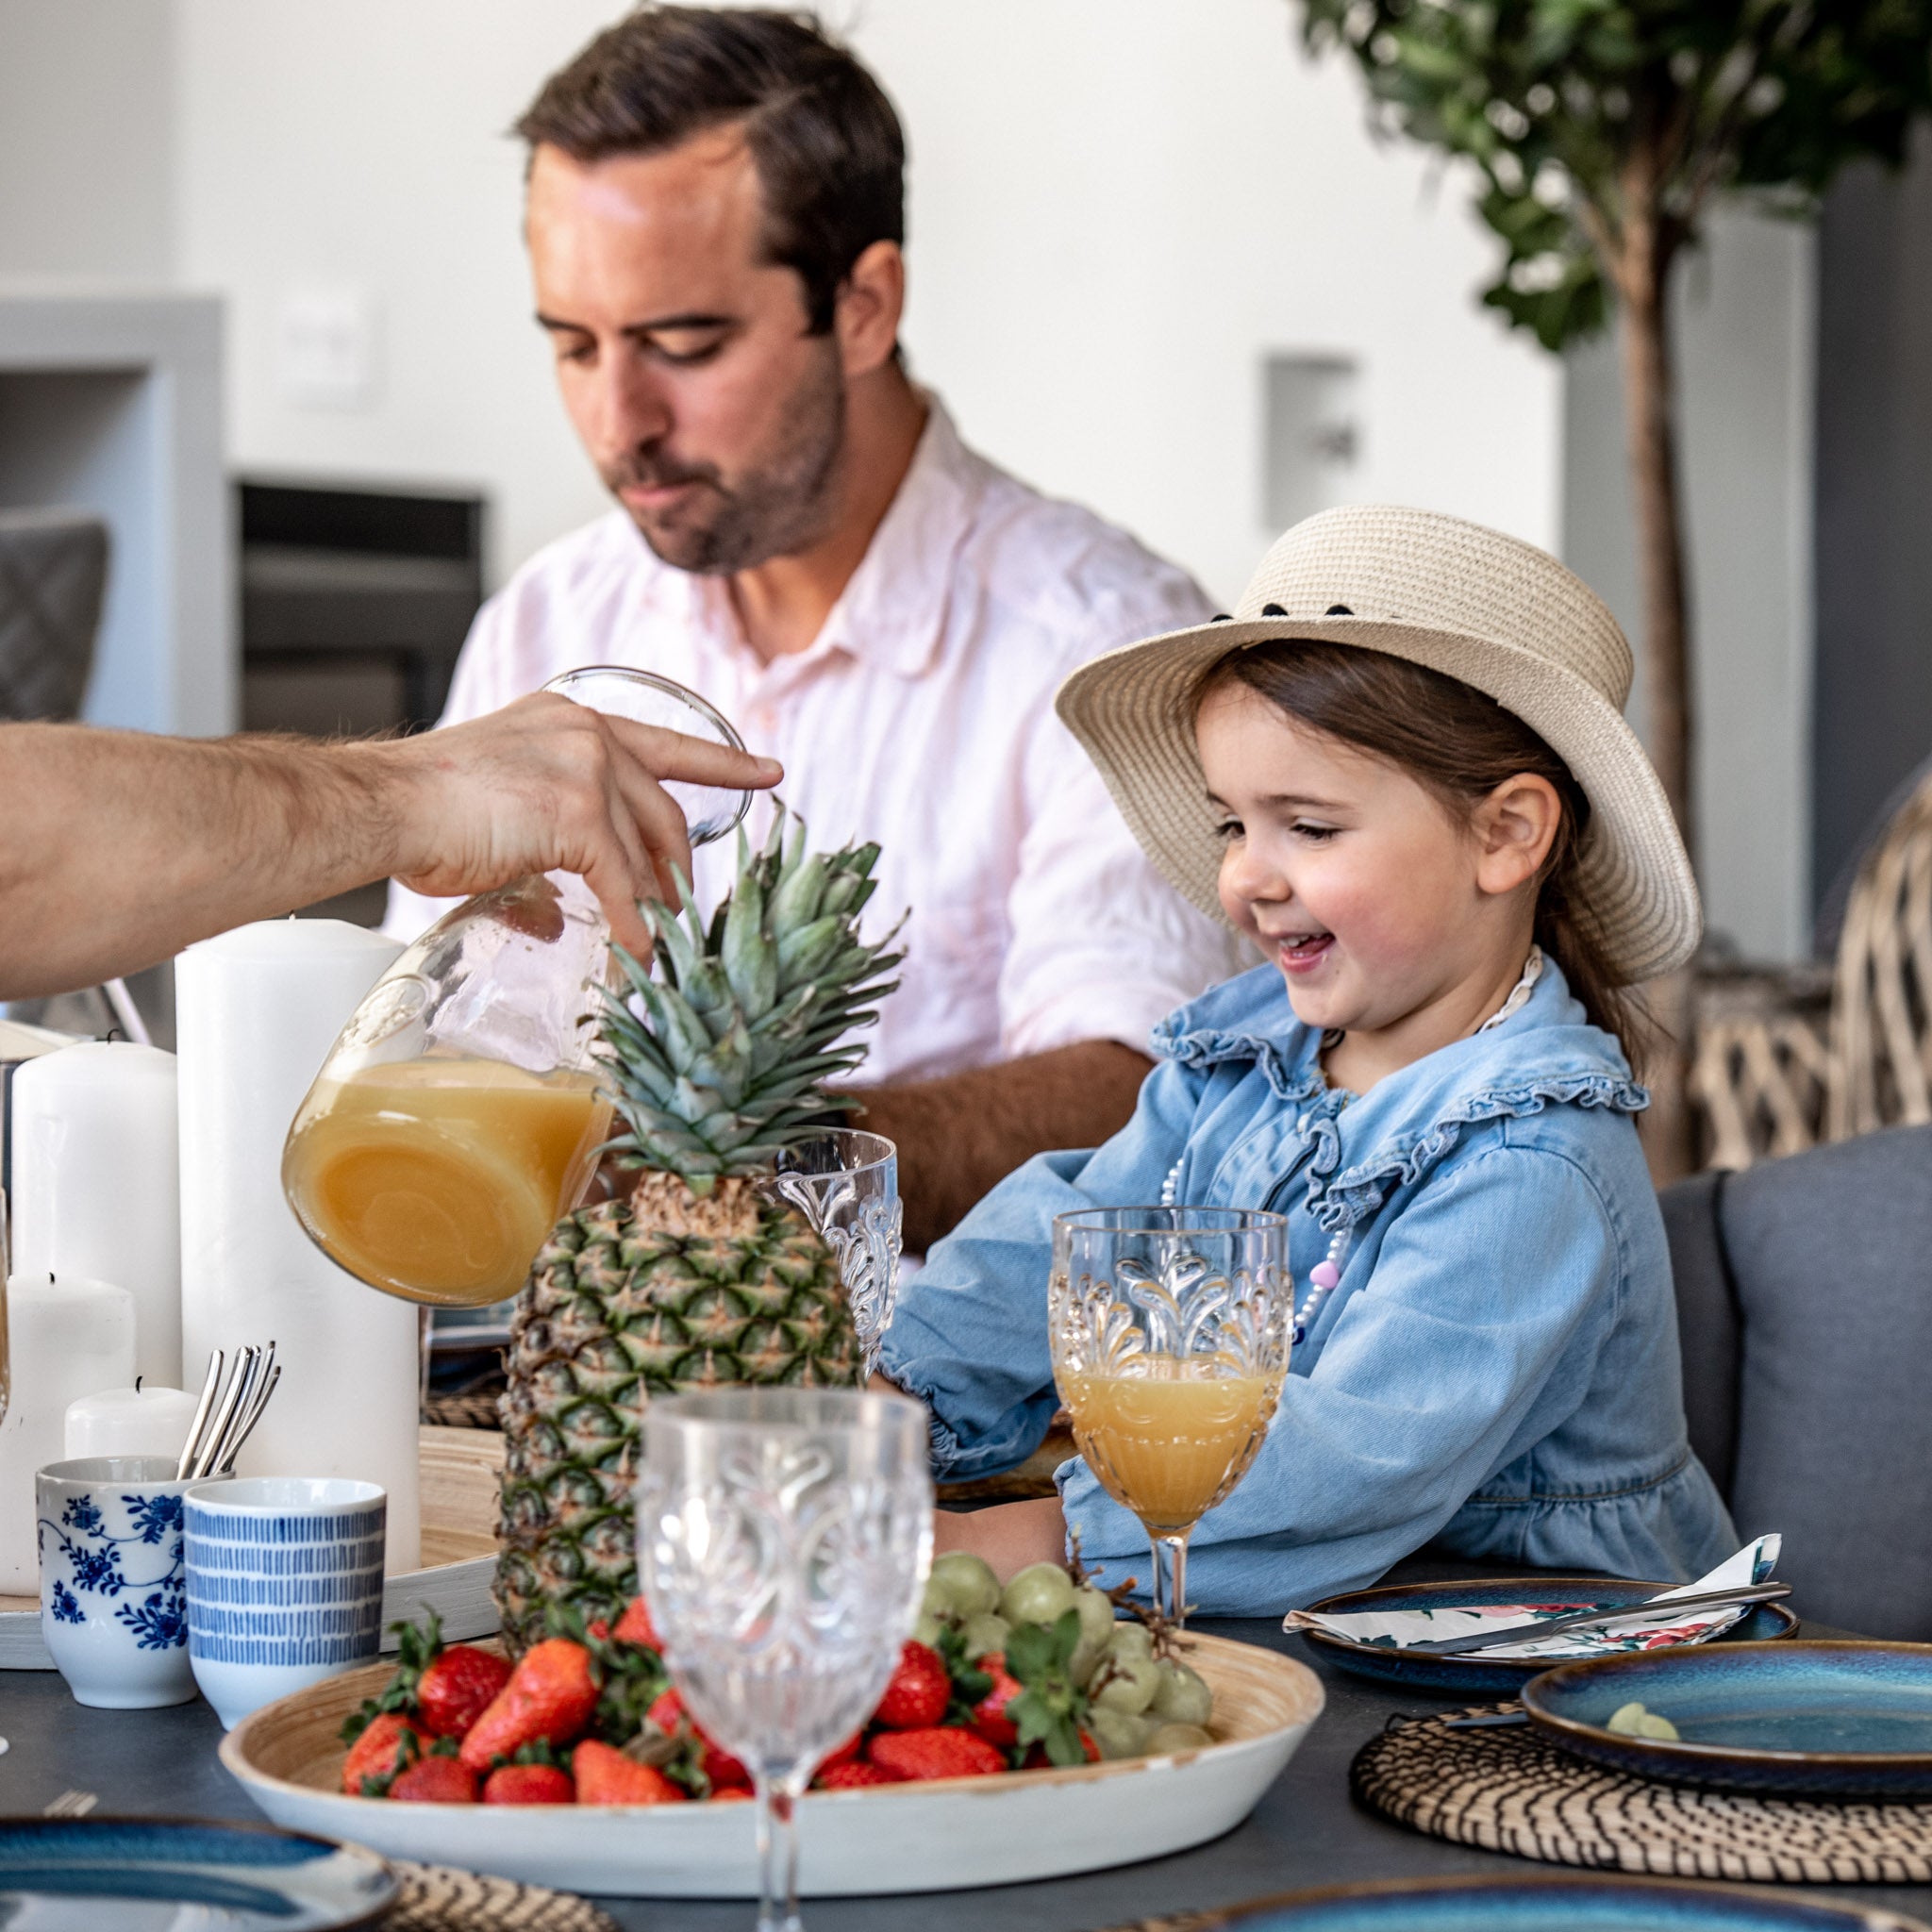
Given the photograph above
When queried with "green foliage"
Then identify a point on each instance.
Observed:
(1050, 1705)
(1603, 127)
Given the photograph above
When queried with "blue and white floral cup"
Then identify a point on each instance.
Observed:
(284, 1585)
(113, 1591)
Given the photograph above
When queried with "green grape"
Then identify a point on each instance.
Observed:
(1118, 1733)
(1183, 1697)
(1174, 1737)
(1128, 1685)
(964, 1583)
(1040, 1593)
(1131, 1638)
(1096, 1616)
(937, 1602)
(1085, 1661)
(985, 1633)
(926, 1628)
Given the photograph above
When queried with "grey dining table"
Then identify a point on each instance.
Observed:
(1306, 1831)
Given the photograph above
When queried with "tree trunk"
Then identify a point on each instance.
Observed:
(1650, 421)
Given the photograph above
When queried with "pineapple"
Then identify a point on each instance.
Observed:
(696, 1281)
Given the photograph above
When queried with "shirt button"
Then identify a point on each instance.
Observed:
(1301, 1127)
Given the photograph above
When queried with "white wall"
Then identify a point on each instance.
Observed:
(86, 129)
(1114, 212)
(1746, 351)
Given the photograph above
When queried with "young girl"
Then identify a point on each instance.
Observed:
(1403, 771)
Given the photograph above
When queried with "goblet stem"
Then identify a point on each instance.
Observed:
(1170, 1591)
(777, 1854)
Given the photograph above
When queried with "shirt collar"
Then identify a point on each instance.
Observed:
(894, 610)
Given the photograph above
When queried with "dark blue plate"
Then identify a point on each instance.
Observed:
(1549, 1905)
(1802, 1720)
(76, 1874)
(1472, 1676)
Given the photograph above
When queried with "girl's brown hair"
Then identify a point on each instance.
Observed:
(1458, 743)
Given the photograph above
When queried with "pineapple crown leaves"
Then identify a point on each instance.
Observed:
(716, 1060)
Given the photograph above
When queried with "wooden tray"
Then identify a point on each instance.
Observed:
(461, 1469)
(951, 1833)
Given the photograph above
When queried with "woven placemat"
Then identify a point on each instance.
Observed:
(438, 1898)
(1508, 1791)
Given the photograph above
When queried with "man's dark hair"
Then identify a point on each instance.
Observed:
(829, 148)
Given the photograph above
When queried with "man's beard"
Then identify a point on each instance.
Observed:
(778, 510)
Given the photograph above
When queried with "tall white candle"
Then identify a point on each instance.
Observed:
(255, 1012)
(97, 1186)
(129, 1421)
(65, 1339)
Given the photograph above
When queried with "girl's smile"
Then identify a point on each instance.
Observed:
(1392, 919)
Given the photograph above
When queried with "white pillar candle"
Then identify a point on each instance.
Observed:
(129, 1421)
(255, 1012)
(97, 1187)
(65, 1339)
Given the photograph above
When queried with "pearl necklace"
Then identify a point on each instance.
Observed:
(1324, 1277)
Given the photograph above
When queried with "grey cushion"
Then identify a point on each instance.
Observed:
(53, 572)
(1805, 1304)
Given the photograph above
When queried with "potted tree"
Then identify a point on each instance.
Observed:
(1601, 131)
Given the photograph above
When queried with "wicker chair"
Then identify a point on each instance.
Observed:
(1881, 1007)
(1780, 1066)
(53, 572)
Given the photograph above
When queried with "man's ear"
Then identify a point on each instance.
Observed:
(871, 301)
(1514, 828)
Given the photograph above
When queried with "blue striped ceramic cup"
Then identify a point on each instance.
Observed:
(284, 1585)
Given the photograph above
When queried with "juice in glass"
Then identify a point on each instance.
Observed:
(437, 1178)
(1172, 1436)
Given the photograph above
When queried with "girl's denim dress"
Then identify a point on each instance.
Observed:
(1498, 1368)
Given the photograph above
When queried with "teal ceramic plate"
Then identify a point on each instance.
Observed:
(1472, 1677)
(157, 1874)
(1551, 1904)
(1850, 1720)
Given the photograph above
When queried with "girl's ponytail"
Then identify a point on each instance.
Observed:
(1459, 743)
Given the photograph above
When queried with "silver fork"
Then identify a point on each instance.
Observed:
(70, 1805)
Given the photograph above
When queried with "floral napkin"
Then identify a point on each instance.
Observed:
(1392, 1629)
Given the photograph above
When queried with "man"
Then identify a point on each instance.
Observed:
(118, 849)
(715, 214)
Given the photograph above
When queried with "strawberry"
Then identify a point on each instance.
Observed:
(386, 1744)
(1037, 1759)
(847, 1753)
(550, 1695)
(528, 1784)
(851, 1776)
(435, 1781)
(990, 1717)
(719, 1766)
(635, 1627)
(921, 1689)
(456, 1687)
(951, 1752)
(605, 1776)
(733, 1794)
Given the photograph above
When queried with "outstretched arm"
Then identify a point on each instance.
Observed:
(117, 848)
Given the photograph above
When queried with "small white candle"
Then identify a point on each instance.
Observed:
(129, 1421)
(97, 1185)
(257, 1011)
(65, 1339)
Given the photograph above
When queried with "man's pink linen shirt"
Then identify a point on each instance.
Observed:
(922, 717)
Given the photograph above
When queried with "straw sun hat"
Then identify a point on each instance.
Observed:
(1460, 599)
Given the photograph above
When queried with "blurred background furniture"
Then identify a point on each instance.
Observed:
(355, 603)
(1805, 1311)
(53, 574)
(1790, 1058)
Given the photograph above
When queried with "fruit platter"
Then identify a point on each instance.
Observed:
(1068, 1732)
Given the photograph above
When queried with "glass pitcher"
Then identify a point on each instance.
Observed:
(458, 1114)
